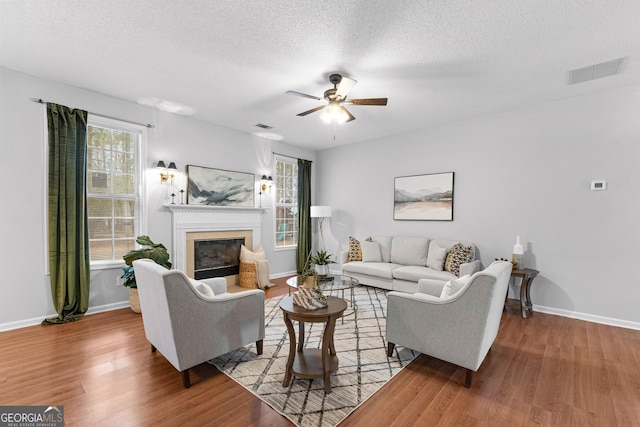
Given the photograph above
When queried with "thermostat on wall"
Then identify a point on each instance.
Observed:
(598, 185)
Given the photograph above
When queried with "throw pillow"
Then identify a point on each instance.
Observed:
(436, 258)
(453, 286)
(458, 255)
(371, 251)
(355, 250)
(250, 256)
(202, 287)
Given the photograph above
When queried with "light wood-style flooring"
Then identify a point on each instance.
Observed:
(544, 370)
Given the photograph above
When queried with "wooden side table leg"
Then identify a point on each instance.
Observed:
(288, 374)
(523, 295)
(529, 304)
(327, 350)
(300, 335)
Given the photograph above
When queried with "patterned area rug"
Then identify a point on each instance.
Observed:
(363, 364)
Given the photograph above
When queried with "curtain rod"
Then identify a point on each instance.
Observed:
(147, 125)
(291, 157)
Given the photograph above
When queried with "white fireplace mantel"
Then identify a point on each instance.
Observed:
(201, 218)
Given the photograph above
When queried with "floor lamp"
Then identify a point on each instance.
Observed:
(321, 212)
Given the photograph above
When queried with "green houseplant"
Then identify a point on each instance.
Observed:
(322, 259)
(149, 250)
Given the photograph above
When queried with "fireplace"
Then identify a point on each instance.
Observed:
(191, 223)
(216, 257)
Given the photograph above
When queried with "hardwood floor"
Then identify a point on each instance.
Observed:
(544, 370)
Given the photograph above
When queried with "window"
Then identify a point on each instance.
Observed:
(286, 201)
(113, 188)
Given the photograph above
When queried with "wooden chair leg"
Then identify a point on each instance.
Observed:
(259, 347)
(186, 381)
(390, 347)
(467, 380)
(153, 348)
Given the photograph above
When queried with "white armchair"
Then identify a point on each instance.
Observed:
(459, 328)
(190, 323)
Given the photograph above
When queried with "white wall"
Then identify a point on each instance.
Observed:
(525, 172)
(25, 296)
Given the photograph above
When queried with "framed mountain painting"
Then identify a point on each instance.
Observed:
(423, 197)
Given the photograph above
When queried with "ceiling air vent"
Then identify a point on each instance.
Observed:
(263, 126)
(596, 71)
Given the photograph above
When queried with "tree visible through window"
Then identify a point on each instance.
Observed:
(112, 190)
(286, 204)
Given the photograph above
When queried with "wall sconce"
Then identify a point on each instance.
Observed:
(266, 182)
(168, 172)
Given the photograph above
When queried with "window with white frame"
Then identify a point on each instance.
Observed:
(114, 183)
(286, 204)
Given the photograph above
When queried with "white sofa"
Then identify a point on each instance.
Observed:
(401, 261)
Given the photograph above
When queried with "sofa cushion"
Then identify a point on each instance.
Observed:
(409, 250)
(355, 251)
(385, 247)
(458, 255)
(452, 287)
(413, 273)
(371, 251)
(436, 257)
(378, 269)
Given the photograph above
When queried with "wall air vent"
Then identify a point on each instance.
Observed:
(263, 126)
(596, 71)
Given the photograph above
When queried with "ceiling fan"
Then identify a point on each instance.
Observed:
(336, 98)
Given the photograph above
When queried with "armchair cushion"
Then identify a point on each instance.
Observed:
(452, 287)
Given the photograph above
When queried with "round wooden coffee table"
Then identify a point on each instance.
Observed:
(312, 362)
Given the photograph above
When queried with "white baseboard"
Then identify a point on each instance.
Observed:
(38, 320)
(587, 317)
(285, 274)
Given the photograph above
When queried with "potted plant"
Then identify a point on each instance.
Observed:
(149, 250)
(309, 279)
(322, 259)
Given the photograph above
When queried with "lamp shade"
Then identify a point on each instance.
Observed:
(320, 211)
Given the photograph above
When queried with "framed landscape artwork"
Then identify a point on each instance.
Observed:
(424, 197)
(218, 187)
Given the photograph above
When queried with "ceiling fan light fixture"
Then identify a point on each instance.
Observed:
(334, 113)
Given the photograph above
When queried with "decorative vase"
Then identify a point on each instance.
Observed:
(134, 300)
(322, 270)
(518, 255)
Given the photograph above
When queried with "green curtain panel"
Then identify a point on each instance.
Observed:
(304, 214)
(67, 212)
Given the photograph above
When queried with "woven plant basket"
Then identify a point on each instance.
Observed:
(134, 300)
(248, 278)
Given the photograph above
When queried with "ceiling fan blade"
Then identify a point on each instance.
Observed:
(351, 117)
(304, 95)
(368, 101)
(346, 84)
(313, 110)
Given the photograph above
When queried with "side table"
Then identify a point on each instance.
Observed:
(527, 275)
(312, 362)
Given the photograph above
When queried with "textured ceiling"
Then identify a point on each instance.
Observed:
(233, 61)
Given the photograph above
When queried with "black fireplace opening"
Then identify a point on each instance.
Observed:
(217, 257)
